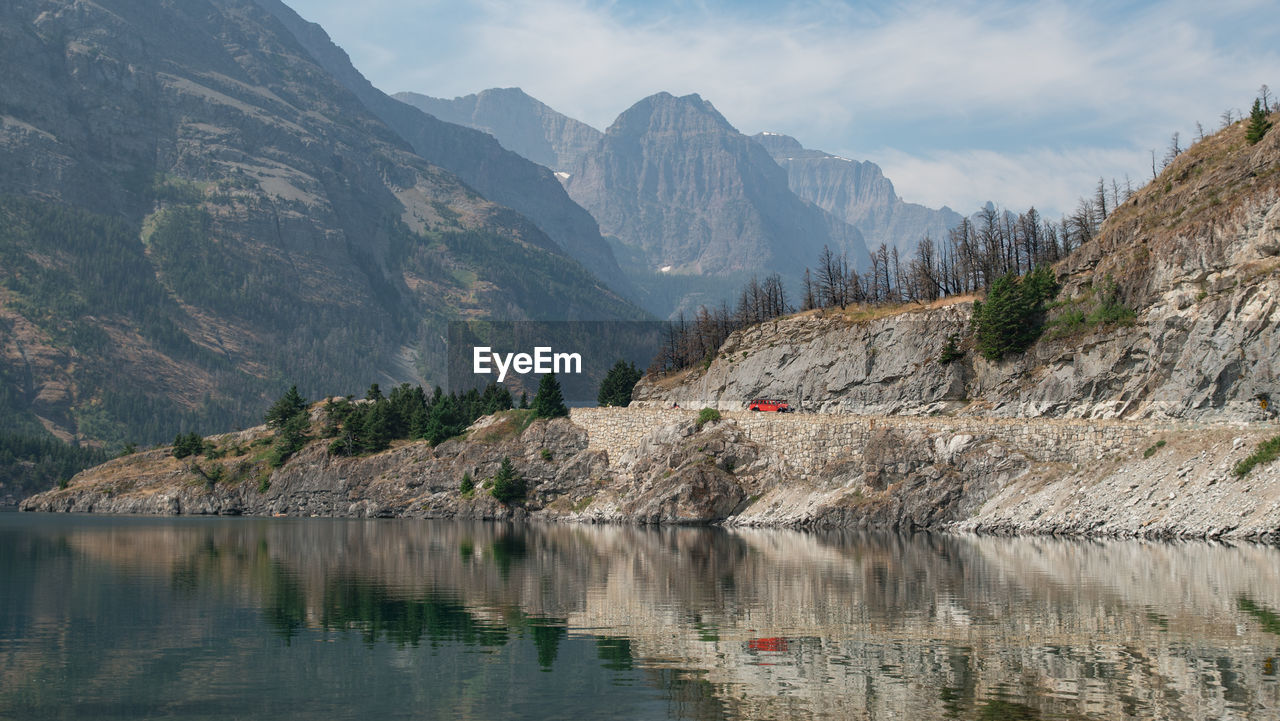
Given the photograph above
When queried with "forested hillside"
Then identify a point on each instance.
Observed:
(195, 214)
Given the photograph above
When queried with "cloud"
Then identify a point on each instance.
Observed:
(1051, 180)
(952, 85)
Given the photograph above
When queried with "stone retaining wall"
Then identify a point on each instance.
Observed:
(808, 441)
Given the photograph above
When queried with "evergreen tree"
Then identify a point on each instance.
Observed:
(524, 401)
(289, 405)
(1013, 315)
(290, 439)
(495, 398)
(508, 485)
(999, 320)
(188, 444)
(615, 389)
(378, 427)
(374, 393)
(444, 421)
(549, 402)
(406, 402)
(1258, 123)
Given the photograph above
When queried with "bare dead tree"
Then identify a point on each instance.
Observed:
(1174, 149)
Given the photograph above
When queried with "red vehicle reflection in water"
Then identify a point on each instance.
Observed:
(772, 645)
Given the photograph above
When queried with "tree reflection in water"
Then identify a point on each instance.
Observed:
(503, 621)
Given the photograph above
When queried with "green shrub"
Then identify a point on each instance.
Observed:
(951, 350)
(545, 453)
(1266, 452)
(467, 486)
(187, 444)
(707, 415)
(1152, 450)
(1110, 309)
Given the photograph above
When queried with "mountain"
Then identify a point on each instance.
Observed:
(195, 214)
(1169, 311)
(691, 199)
(521, 123)
(498, 174)
(858, 193)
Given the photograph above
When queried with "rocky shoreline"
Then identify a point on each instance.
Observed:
(1175, 482)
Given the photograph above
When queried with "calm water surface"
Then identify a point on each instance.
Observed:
(311, 619)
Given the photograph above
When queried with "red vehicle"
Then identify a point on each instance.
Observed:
(769, 404)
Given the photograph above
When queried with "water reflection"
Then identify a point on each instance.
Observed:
(461, 620)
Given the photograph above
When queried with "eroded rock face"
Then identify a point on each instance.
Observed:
(410, 479)
(682, 475)
(1174, 482)
(1189, 355)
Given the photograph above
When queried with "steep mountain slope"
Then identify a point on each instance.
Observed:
(857, 193)
(687, 195)
(521, 123)
(194, 214)
(498, 174)
(1195, 256)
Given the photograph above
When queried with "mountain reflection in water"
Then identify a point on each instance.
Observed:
(282, 618)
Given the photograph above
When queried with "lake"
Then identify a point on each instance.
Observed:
(208, 618)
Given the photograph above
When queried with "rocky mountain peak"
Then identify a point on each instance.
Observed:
(688, 113)
(686, 195)
(521, 123)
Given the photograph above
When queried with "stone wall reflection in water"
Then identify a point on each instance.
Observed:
(454, 620)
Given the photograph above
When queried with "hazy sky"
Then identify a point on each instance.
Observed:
(958, 102)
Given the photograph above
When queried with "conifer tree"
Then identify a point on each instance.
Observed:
(290, 439)
(616, 387)
(508, 486)
(1258, 123)
(549, 402)
(288, 405)
(378, 427)
(444, 420)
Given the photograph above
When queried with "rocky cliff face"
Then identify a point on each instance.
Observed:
(1195, 255)
(194, 209)
(521, 123)
(688, 479)
(688, 195)
(1007, 477)
(858, 193)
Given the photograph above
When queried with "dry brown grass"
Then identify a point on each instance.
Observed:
(506, 424)
(1186, 212)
